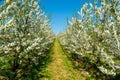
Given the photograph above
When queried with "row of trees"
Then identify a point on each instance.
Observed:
(25, 37)
(94, 35)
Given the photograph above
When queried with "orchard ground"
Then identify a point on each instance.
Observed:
(61, 68)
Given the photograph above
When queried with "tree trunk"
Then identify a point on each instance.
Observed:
(15, 62)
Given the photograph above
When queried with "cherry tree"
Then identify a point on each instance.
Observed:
(95, 36)
(25, 34)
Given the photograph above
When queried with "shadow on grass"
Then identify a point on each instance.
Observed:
(44, 64)
(83, 63)
(27, 71)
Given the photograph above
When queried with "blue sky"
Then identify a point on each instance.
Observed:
(1, 2)
(60, 10)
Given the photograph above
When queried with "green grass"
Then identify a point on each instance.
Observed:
(60, 67)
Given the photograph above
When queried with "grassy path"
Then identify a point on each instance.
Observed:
(60, 67)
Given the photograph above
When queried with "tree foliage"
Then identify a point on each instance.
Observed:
(25, 34)
(95, 35)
